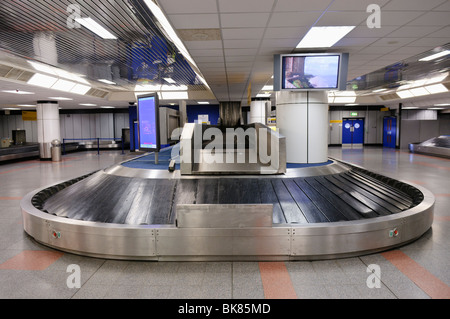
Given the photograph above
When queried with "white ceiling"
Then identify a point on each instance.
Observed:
(252, 31)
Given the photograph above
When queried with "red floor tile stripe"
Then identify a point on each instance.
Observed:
(10, 198)
(31, 260)
(426, 281)
(276, 281)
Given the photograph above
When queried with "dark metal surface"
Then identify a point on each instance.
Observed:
(114, 199)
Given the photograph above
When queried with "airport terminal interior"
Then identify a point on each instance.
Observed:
(225, 149)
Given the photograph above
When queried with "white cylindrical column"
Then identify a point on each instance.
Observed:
(302, 117)
(258, 112)
(48, 126)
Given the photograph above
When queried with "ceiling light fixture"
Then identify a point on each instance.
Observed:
(436, 88)
(95, 27)
(436, 56)
(169, 80)
(60, 98)
(17, 92)
(379, 90)
(203, 102)
(63, 85)
(87, 104)
(324, 37)
(42, 80)
(107, 82)
(80, 89)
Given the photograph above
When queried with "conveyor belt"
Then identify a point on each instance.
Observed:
(138, 201)
(322, 212)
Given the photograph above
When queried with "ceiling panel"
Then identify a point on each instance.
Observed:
(293, 19)
(190, 6)
(234, 6)
(246, 20)
(401, 5)
(242, 33)
(194, 21)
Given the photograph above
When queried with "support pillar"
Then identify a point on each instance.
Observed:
(258, 112)
(48, 126)
(302, 117)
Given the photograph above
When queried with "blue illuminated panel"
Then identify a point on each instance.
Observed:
(148, 117)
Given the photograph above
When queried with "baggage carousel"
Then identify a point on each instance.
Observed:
(139, 210)
(436, 146)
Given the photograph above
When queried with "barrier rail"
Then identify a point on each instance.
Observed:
(97, 139)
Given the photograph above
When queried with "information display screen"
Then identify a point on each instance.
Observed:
(148, 118)
(320, 72)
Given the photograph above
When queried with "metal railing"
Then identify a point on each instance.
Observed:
(97, 139)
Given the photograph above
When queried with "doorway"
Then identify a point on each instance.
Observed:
(353, 132)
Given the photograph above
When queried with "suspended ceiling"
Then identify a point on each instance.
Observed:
(231, 41)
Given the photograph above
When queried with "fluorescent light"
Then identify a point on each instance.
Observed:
(63, 85)
(92, 25)
(26, 105)
(435, 56)
(410, 108)
(60, 98)
(267, 88)
(344, 99)
(203, 102)
(174, 88)
(11, 108)
(263, 95)
(42, 68)
(107, 82)
(171, 81)
(419, 91)
(55, 71)
(405, 94)
(17, 92)
(442, 104)
(351, 104)
(174, 95)
(380, 90)
(436, 108)
(42, 80)
(437, 79)
(87, 104)
(324, 37)
(436, 88)
(80, 89)
(107, 107)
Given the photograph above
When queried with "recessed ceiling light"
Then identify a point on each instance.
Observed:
(264, 95)
(80, 89)
(17, 92)
(379, 90)
(169, 80)
(436, 88)
(92, 25)
(267, 88)
(436, 56)
(442, 104)
(405, 94)
(203, 102)
(11, 108)
(42, 80)
(60, 98)
(107, 82)
(26, 105)
(419, 91)
(410, 108)
(324, 37)
(107, 107)
(87, 104)
(436, 108)
(63, 85)
(174, 95)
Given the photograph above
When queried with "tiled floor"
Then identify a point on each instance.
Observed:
(418, 270)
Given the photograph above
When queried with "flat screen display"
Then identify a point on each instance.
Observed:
(148, 118)
(309, 72)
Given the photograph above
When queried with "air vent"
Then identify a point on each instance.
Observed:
(4, 70)
(12, 73)
(389, 97)
(97, 93)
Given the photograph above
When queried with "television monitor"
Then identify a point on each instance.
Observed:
(148, 123)
(319, 71)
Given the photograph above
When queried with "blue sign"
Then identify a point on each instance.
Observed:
(148, 118)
